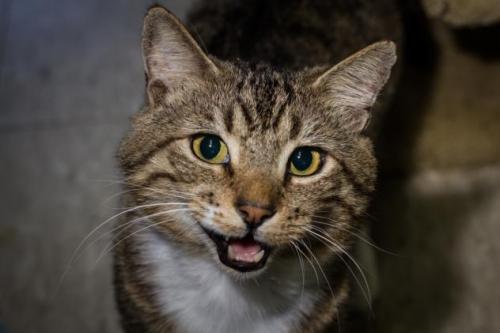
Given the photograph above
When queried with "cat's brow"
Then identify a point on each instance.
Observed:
(296, 127)
(241, 103)
(245, 111)
(266, 95)
(228, 119)
(271, 92)
(289, 93)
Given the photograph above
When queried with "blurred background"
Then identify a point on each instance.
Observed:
(70, 77)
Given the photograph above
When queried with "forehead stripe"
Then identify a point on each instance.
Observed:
(228, 119)
(242, 106)
(289, 95)
(296, 127)
(245, 112)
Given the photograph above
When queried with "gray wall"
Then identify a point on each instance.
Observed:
(71, 75)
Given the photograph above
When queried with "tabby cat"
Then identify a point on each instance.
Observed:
(248, 169)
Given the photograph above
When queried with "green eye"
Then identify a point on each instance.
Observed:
(304, 161)
(211, 149)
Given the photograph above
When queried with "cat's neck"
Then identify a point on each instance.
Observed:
(197, 296)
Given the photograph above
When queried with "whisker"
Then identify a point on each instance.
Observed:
(366, 293)
(301, 265)
(136, 186)
(119, 227)
(157, 204)
(108, 250)
(79, 247)
(310, 262)
(326, 280)
(161, 192)
(343, 228)
(137, 219)
(320, 267)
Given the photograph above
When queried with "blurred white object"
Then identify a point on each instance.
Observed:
(464, 12)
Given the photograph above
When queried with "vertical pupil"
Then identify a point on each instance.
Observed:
(210, 146)
(302, 159)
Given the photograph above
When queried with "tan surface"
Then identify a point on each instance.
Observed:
(464, 12)
(461, 125)
(447, 112)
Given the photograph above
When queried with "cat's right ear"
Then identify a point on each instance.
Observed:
(172, 58)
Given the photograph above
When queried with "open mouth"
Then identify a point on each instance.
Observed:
(242, 254)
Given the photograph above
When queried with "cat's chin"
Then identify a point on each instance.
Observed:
(243, 255)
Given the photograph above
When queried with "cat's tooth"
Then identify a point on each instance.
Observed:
(230, 252)
(258, 257)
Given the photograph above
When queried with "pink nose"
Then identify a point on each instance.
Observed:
(254, 215)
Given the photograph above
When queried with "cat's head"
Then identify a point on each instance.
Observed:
(245, 163)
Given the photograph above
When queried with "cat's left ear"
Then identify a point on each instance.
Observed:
(352, 86)
(172, 58)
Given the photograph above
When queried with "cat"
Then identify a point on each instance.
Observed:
(248, 170)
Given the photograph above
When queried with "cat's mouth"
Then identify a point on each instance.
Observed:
(242, 254)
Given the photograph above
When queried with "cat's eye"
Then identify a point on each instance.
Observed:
(305, 161)
(210, 148)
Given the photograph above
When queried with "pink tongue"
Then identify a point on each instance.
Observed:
(243, 250)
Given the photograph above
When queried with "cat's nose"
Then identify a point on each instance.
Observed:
(255, 214)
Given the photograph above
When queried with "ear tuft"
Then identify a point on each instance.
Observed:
(355, 83)
(171, 55)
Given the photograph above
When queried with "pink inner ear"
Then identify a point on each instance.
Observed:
(354, 119)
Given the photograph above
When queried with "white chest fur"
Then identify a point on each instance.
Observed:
(200, 298)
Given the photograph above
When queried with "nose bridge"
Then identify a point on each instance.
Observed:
(257, 189)
(257, 195)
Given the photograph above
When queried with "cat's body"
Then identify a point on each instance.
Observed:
(249, 242)
(293, 34)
